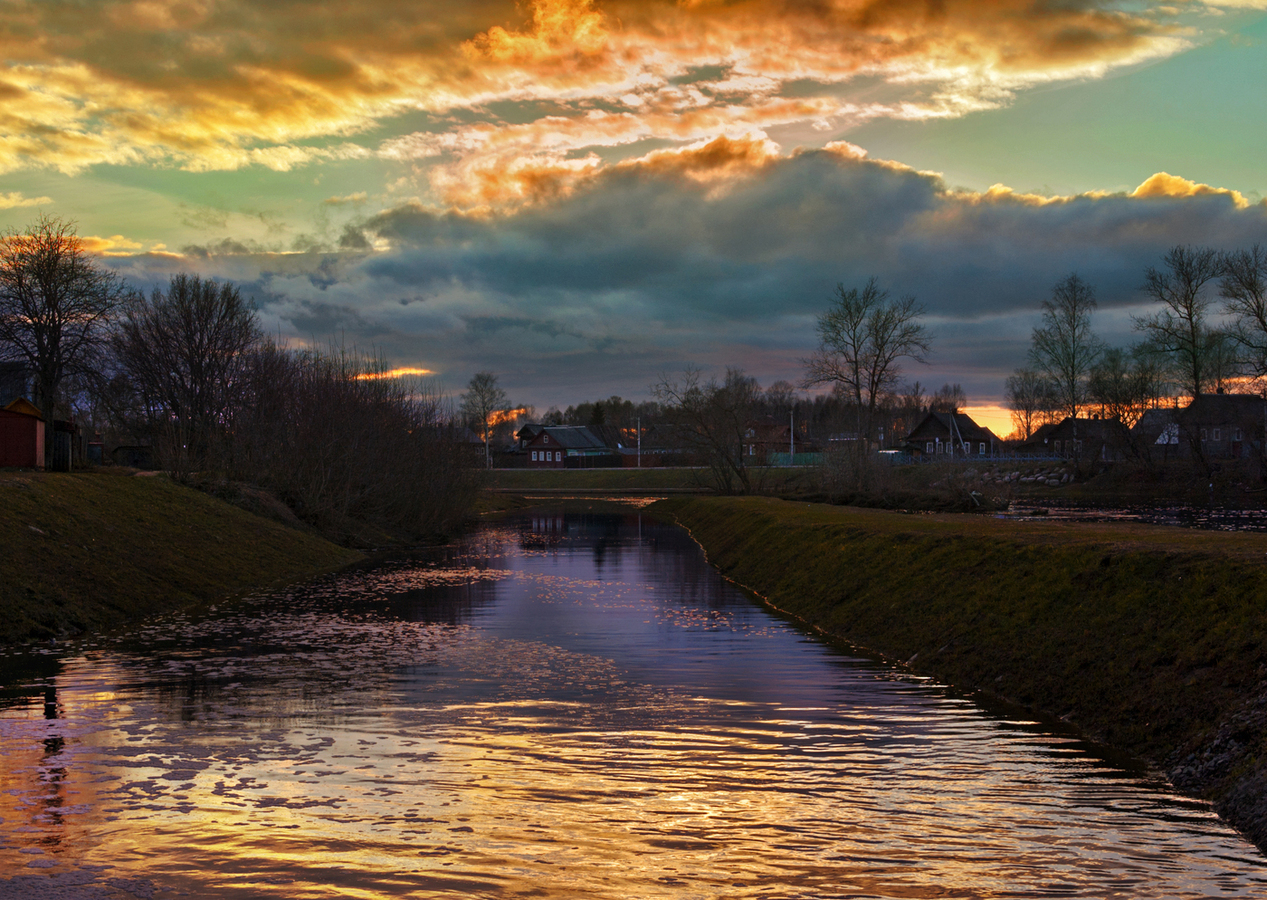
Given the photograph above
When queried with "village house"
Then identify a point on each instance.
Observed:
(1227, 426)
(1070, 438)
(21, 435)
(1223, 426)
(566, 446)
(947, 435)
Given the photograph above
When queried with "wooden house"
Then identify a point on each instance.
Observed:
(21, 435)
(949, 435)
(569, 446)
(1078, 439)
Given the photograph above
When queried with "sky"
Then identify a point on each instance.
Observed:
(584, 196)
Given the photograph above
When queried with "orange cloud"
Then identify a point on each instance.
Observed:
(1163, 184)
(233, 83)
(403, 372)
(117, 245)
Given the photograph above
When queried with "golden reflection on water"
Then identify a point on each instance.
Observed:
(542, 714)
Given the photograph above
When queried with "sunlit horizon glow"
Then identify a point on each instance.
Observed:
(582, 195)
(403, 372)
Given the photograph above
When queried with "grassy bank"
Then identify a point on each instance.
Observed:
(89, 551)
(1151, 640)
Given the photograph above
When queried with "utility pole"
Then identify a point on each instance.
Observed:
(791, 435)
(639, 420)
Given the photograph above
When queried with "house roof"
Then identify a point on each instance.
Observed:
(1069, 427)
(571, 437)
(1226, 407)
(958, 425)
(26, 408)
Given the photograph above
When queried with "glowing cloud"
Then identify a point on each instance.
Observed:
(1163, 184)
(403, 372)
(230, 84)
(14, 199)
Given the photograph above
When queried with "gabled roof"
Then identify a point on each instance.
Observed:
(1226, 407)
(571, 437)
(1082, 429)
(26, 408)
(952, 425)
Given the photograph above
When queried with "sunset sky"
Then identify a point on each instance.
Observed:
(581, 195)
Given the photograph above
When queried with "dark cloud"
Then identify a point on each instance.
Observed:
(641, 270)
(711, 272)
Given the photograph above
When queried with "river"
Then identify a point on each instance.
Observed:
(560, 705)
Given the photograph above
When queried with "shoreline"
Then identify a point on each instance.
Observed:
(89, 552)
(1149, 640)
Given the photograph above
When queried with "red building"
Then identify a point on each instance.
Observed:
(21, 436)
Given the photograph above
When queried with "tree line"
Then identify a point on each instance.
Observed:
(188, 371)
(1184, 351)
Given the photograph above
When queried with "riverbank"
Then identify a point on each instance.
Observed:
(1151, 640)
(89, 551)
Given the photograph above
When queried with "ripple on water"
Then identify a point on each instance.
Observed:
(560, 707)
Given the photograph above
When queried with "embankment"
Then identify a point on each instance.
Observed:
(1148, 639)
(84, 552)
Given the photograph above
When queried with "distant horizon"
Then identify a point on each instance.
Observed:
(585, 195)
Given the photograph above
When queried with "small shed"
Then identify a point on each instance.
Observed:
(21, 435)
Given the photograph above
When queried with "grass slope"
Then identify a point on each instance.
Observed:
(89, 551)
(1152, 640)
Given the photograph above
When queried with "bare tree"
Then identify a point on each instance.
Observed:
(1179, 329)
(1030, 398)
(1244, 287)
(1122, 385)
(948, 398)
(55, 300)
(185, 350)
(1064, 349)
(482, 399)
(715, 420)
(862, 338)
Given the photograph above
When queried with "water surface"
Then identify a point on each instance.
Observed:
(560, 706)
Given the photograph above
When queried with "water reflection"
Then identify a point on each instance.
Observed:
(564, 706)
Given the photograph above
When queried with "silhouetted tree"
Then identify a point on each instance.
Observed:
(185, 351)
(862, 338)
(715, 419)
(55, 301)
(949, 398)
(1031, 399)
(482, 399)
(1064, 349)
(1244, 287)
(1179, 329)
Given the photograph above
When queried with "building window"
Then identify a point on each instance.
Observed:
(1218, 434)
(1203, 434)
(928, 447)
(534, 455)
(1056, 447)
(1236, 435)
(982, 449)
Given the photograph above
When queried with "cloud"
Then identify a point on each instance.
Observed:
(1163, 184)
(219, 86)
(721, 252)
(118, 245)
(15, 199)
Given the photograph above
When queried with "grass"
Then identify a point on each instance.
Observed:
(1152, 640)
(88, 551)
